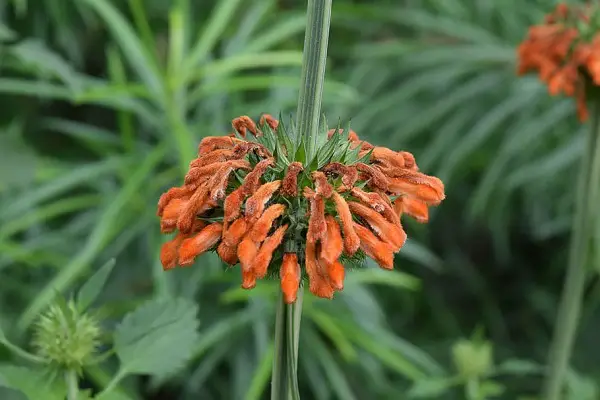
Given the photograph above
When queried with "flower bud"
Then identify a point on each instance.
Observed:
(66, 337)
(472, 359)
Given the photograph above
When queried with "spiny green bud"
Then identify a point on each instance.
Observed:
(472, 358)
(66, 337)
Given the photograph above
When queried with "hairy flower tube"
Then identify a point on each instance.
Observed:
(565, 52)
(260, 200)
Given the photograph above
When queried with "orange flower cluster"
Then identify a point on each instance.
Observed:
(565, 51)
(269, 215)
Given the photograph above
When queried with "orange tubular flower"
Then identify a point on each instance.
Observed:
(565, 52)
(257, 200)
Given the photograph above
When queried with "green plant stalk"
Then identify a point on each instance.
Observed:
(284, 381)
(314, 59)
(569, 311)
(72, 385)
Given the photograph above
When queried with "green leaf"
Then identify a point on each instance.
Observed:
(519, 367)
(132, 47)
(430, 388)
(33, 53)
(93, 287)
(32, 383)
(489, 389)
(158, 338)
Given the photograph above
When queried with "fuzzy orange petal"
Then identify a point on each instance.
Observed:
(388, 232)
(247, 251)
(318, 284)
(211, 143)
(232, 207)
(428, 189)
(380, 251)
(317, 227)
(415, 208)
(169, 251)
(261, 227)
(173, 193)
(263, 258)
(168, 221)
(199, 243)
(336, 274)
(235, 232)
(290, 275)
(378, 202)
(332, 244)
(214, 156)
(197, 203)
(351, 239)
(227, 253)
(255, 205)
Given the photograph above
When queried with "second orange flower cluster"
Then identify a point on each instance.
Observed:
(565, 51)
(251, 202)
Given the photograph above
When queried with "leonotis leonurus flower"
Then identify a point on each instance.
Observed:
(261, 201)
(565, 51)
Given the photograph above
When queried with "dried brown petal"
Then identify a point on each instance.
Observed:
(211, 143)
(323, 187)
(375, 178)
(243, 124)
(349, 174)
(289, 185)
(269, 120)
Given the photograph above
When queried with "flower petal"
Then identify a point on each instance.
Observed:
(290, 275)
(289, 185)
(332, 245)
(351, 239)
(263, 225)
(255, 205)
(380, 251)
(388, 232)
(199, 243)
(263, 258)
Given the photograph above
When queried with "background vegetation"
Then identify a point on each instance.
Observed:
(102, 104)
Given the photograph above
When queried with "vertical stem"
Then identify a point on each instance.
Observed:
(313, 72)
(72, 385)
(284, 382)
(572, 296)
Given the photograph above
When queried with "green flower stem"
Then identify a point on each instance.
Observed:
(72, 385)
(20, 352)
(314, 58)
(284, 382)
(569, 311)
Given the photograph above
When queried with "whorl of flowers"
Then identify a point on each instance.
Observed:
(565, 51)
(264, 202)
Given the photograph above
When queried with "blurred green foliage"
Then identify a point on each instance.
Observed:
(103, 103)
